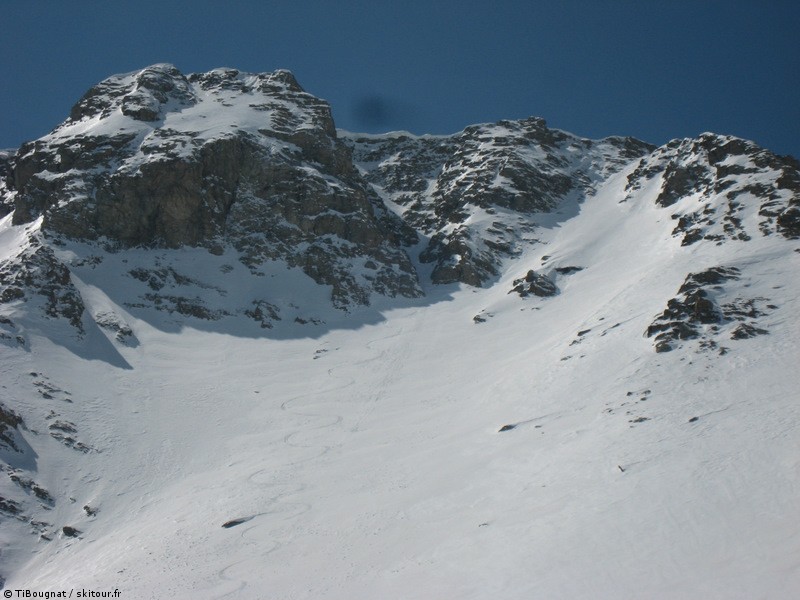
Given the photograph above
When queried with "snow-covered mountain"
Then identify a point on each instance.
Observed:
(244, 354)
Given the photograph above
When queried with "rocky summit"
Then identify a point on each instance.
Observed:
(242, 350)
(216, 160)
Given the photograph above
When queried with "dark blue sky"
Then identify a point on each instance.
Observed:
(655, 69)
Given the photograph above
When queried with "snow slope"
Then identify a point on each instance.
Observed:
(364, 456)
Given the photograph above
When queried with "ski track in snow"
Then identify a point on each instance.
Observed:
(278, 495)
(376, 468)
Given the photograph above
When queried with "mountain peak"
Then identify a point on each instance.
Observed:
(227, 159)
(483, 361)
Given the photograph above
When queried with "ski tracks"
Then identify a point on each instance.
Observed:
(311, 440)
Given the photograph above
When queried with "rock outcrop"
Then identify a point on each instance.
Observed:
(697, 312)
(714, 182)
(36, 274)
(534, 283)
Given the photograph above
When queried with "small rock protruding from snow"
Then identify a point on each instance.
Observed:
(70, 531)
(536, 284)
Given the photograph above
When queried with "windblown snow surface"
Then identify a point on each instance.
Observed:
(363, 459)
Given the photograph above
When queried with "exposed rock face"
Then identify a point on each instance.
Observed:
(693, 308)
(696, 312)
(136, 165)
(713, 181)
(36, 274)
(9, 423)
(475, 194)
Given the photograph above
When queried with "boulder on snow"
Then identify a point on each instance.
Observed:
(536, 284)
(70, 531)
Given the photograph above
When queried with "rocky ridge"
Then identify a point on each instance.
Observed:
(476, 195)
(250, 167)
(720, 186)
